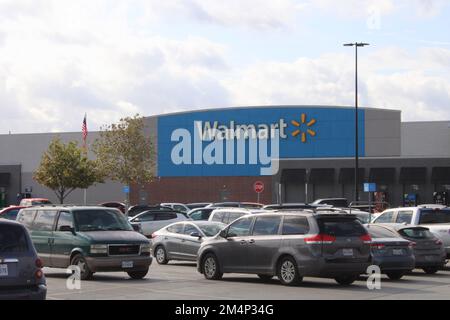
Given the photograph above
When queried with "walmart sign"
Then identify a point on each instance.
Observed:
(244, 141)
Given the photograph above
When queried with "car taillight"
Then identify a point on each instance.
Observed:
(153, 236)
(38, 274)
(39, 263)
(378, 246)
(412, 244)
(366, 238)
(320, 239)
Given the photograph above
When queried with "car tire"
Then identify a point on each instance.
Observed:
(287, 272)
(138, 274)
(395, 275)
(346, 280)
(80, 261)
(431, 270)
(265, 277)
(161, 255)
(210, 267)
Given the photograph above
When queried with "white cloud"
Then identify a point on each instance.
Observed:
(416, 83)
(60, 59)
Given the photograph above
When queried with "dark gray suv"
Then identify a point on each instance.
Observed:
(290, 245)
(21, 276)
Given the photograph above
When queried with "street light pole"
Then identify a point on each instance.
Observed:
(356, 45)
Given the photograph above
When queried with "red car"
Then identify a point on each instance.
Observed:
(11, 212)
(28, 202)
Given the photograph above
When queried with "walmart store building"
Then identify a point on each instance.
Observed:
(300, 153)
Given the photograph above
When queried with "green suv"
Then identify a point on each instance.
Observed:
(96, 239)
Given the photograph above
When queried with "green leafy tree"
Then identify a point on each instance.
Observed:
(66, 167)
(125, 152)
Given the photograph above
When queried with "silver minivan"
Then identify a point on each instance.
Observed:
(289, 245)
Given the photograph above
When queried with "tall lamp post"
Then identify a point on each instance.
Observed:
(356, 45)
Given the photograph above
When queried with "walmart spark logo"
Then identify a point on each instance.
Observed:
(299, 131)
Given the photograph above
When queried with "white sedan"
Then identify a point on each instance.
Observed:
(151, 221)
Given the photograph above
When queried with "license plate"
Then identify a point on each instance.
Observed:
(397, 252)
(347, 252)
(3, 270)
(127, 264)
(429, 258)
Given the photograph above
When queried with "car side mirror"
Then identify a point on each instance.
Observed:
(196, 235)
(137, 228)
(223, 233)
(67, 229)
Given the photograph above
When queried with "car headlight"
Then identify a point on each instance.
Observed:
(145, 248)
(99, 249)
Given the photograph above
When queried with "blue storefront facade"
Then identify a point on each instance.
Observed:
(303, 132)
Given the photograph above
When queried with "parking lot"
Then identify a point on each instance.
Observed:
(181, 281)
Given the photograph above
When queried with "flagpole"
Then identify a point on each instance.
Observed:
(84, 128)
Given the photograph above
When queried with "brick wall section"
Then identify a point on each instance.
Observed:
(203, 189)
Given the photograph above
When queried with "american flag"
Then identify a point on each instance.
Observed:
(84, 130)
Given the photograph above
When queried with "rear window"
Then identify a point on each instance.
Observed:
(13, 239)
(39, 202)
(233, 216)
(417, 233)
(26, 217)
(429, 216)
(176, 228)
(341, 227)
(165, 216)
(218, 216)
(337, 203)
(380, 232)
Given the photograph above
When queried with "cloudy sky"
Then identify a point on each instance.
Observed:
(113, 58)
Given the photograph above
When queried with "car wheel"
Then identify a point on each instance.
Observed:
(288, 272)
(430, 270)
(265, 277)
(210, 267)
(161, 255)
(395, 275)
(346, 280)
(138, 274)
(79, 261)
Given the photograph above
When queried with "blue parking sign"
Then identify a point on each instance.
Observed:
(370, 187)
(126, 189)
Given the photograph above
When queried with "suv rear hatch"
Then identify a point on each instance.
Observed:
(343, 239)
(18, 262)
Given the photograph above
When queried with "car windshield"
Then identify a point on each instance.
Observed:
(431, 216)
(12, 239)
(101, 220)
(417, 233)
(211, 229)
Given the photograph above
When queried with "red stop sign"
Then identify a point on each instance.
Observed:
(258, 186)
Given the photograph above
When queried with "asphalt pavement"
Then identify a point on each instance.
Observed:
(181, 281)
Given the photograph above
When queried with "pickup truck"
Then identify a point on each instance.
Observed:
(434, 217)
